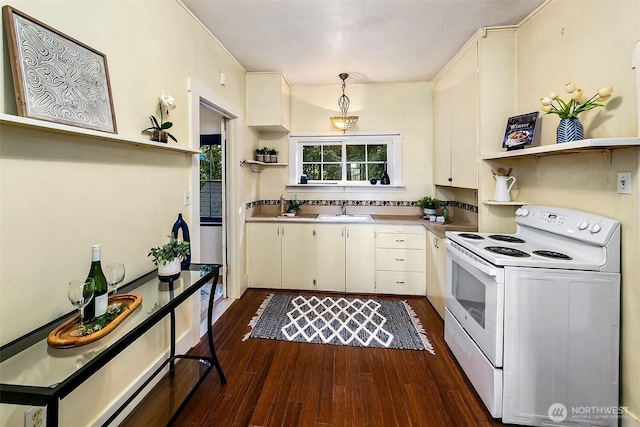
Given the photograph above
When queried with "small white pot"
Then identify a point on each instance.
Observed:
(428, 211)
(169, 269)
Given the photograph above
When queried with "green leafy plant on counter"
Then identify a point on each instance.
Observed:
(172, 250)
(429, 202)
(293, 206)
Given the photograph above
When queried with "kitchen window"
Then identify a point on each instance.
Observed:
(352, 160)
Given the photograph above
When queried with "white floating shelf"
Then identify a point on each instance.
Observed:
(40, 125)
(496, 203)
(568, 147)
(255, 162)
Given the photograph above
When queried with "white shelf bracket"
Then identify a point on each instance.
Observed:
(251, 168)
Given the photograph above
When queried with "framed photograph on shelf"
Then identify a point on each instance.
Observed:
(520, 132)
(57, 78)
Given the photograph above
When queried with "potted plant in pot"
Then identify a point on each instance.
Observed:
(260, 154)
(293, 206)
(158, 129)
(274, 155)
(169, 257)
(429, 205)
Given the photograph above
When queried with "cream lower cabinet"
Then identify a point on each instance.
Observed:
(280, 255)
(436, 271)
(345, 258)
(400, 260)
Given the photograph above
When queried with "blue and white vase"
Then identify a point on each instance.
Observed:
(569, 129)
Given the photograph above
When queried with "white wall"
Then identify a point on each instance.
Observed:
(405, 107)
(590, 43)
(60, 194)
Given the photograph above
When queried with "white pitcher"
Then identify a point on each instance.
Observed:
(503, 187)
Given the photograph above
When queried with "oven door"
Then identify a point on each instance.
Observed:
(475, 296)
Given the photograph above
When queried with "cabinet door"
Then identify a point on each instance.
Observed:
(455, 123)
(442, 131)
(264, 255)
(330, 257)
(268, 102)
(360, 259)
(464, 121)
(298, 262)
(436, 270)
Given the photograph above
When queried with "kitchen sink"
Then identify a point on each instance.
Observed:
(344, 218)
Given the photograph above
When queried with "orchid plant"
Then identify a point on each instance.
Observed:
(166, 103)
(577, 103)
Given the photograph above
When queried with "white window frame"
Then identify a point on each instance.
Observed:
(393, 140)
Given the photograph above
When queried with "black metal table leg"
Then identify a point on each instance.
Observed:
(214, 358)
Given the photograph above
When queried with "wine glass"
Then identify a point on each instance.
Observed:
(80, 293)
(115, 276)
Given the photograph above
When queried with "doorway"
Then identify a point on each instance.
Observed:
(230, 117)
(213, 236)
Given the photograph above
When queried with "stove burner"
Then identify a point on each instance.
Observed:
(508, 239)
(501, 250)
(551, 254)
(471, 236)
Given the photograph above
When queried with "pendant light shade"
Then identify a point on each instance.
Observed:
(345, 121)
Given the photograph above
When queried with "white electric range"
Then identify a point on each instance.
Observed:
(533, 317)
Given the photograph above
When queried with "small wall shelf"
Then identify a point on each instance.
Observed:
(40, 125)
(253, 163)
(511, 203)
(568, 147)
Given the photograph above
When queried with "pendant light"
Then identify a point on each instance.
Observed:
(344, 122)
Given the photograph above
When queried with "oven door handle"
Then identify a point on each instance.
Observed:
(468, 261)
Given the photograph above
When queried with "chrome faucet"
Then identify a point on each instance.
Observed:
(343, 209)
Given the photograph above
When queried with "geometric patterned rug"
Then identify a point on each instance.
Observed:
(339, 321)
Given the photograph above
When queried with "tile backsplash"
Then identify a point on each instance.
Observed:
(364, 203)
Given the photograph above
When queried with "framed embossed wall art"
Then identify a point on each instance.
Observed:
(57, 78)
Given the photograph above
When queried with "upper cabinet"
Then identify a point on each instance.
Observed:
(467, 113)
(268, 102)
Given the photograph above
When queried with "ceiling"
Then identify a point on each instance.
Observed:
(375, 41)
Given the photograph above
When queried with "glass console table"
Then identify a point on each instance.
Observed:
(32, 373)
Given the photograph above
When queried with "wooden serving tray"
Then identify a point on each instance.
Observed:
(60, 338)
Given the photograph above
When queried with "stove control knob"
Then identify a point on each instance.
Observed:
(595, 228)
(522, 212)
(582, 225)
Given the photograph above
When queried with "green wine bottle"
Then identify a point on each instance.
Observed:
(98, 305)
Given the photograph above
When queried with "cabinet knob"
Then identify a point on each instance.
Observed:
(450, 179)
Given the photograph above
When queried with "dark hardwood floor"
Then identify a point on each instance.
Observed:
(277, 383)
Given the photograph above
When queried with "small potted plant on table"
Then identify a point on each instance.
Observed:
(169, 257)
(429, 205)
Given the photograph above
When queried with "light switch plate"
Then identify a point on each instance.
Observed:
(187, 197)
(624, 182)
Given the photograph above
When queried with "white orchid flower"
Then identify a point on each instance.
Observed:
(546, 108)
(546, 101)
(605, 91)
(553, 95)
(167, 102)
(570, 87)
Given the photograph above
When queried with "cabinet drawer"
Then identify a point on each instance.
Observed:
(409, 241)
(401, 282)
(401, 229)
(401, 259)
